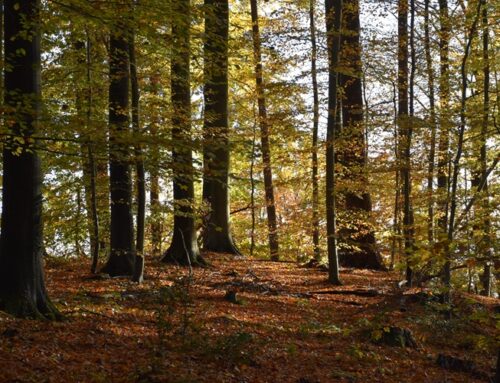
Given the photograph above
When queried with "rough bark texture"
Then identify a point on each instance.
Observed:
(264, 134)
(358, 237)
(122, 253)
(183, 249)
(333, 12)
(22, 285)
(217, 234)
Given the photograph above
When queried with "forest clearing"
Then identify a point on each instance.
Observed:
(283, 328)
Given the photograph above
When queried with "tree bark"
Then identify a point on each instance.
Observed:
(433, 121)
(482, 212)
(264, 132)
(315, 187)
(405, 133)
(358, 237)
(154, 191)
(443, 145)
(183, 249)
(22, 283)
(122, 250)
(217, 233)
(333, 12)
(139, 165)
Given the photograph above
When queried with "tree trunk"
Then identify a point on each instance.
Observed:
(315, 187)
(405, 132)
(122, 255)
(183, 249)
(482, 213)
(84, 114)
(154, 191)
(458, 155)
(217, 234)
(264, 132)
(91, 166)
(360, 248)
(22, 283)
(139, 165)
(333, 12)
(443, 145)
(432, 112)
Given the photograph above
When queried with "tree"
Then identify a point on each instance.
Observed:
(404, 122)
(358, 236)
(122, 250)
(139, 164)
(314, 79)
(333, 13)
(217, 235)
(22, 284)
(264, 135)
(183, 249)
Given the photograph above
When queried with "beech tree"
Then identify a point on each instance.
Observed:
(333, 12)
(22, 284)
(264, 135)
(183, 248)
(358, 236)
(122, 248)
(217, 234)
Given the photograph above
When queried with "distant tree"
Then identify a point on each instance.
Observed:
(122, 250)
(217, 234)
(22, 284)
(183, 249)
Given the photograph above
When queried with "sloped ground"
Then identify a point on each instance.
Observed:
(283, 327)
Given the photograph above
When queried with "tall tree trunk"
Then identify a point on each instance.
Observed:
(459, 152)
(359, 238)
(217, 236)
(482, 211)
(333, 12)
(91, 165)
(444, 133)
(154, 177)
(314, 79)
(405, 131)
(22, 283)
(183, 249)
(139, 164)
(84, 114)
(122, 253)
(432, 112)
(264, 133)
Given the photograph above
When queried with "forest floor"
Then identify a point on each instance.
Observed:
(282, 327)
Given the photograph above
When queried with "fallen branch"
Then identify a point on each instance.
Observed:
(360, 293)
